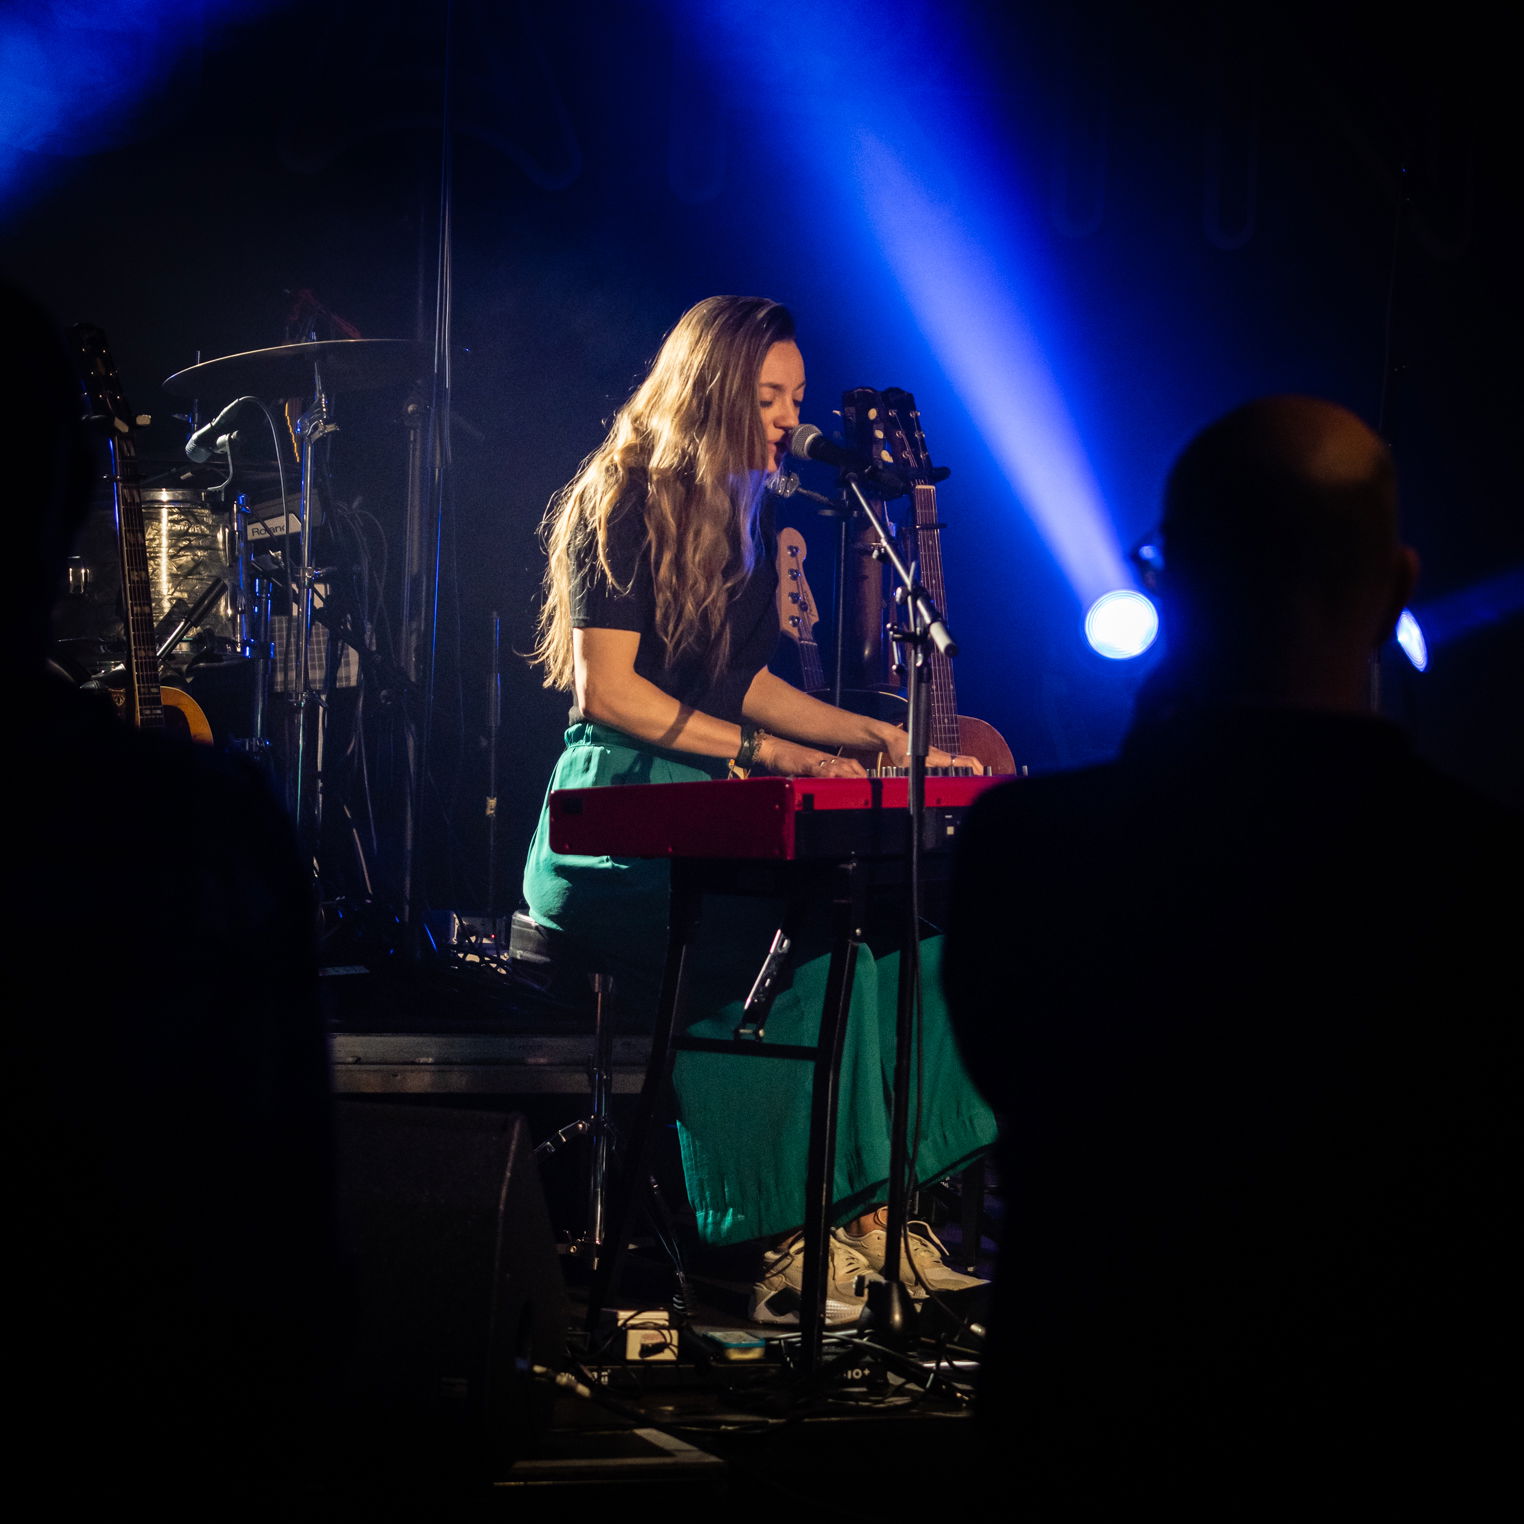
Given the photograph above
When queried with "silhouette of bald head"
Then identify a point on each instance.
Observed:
(1281, 545)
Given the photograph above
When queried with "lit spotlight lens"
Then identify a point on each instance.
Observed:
(1410, 638)
(1121, 625)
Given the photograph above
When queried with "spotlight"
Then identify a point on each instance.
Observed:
(1121, 625)
(1410, 638)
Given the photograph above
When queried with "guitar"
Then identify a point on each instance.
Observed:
(136, 691)
(796, 618)
(796, 609)
(866, 676)
(894, 427)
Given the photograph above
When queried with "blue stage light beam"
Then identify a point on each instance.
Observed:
(70, 72)
(967, 300)
(935, 186)
(1498, 599)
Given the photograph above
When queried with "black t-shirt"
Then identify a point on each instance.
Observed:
(598, 604)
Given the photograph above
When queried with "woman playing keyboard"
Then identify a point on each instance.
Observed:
(660, 618)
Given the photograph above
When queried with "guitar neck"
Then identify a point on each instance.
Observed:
(927, 551)
(145, 706)
(105, 405)
(811, 669)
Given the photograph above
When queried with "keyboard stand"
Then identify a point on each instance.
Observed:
(842, 889)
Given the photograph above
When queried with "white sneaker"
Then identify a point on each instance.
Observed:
(779, 1292)
(923, 1262)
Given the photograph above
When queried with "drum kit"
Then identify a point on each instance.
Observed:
(237, 581)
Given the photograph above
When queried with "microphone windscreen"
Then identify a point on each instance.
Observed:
(801, 438)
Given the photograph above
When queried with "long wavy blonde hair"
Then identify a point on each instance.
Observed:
(694, 431)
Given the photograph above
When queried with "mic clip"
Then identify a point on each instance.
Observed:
(786, 484)
(885, 483)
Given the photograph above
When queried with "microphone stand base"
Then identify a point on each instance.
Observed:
(892, 1313)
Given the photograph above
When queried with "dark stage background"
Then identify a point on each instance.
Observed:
(1194, 211)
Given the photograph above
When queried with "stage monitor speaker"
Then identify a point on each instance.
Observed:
(457, 1286)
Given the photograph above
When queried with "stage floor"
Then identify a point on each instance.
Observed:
(667, 1408)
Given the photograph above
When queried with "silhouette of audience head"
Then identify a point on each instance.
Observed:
(1283, 565)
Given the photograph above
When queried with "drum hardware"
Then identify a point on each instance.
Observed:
(346, 365)
(171, 629)
(313, 370)
(251, 594)
(273, 529)
(185, 570)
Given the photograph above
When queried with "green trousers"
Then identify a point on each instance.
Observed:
(744, 1123)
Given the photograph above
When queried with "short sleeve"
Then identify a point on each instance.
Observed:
(627, 602)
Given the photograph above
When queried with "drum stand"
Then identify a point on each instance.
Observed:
(254, 605)
(306, 786)
(255, 635)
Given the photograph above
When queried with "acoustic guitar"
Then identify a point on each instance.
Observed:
(888, 427)
(136, 691)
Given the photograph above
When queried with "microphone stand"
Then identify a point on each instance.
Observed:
(889, 1304)
(843, 515)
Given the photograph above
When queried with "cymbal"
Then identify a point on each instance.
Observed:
(346, 365)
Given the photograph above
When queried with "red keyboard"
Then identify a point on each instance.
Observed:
(759, 818)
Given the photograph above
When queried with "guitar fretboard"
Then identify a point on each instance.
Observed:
(143, 699)
(943, 703)
(146, 703)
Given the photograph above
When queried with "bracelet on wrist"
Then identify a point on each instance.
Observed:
(746, 753)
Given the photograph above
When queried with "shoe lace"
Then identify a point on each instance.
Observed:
(777, 1257)
(921, 1242)
(923, 1248)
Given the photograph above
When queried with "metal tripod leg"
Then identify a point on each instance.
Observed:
(603, 1088)
(620, 1222)
(597, 1127)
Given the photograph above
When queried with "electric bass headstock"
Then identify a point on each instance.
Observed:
(796, 603)
(796, 609)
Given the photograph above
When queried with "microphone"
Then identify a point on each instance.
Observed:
(212, 438)
(806, 442)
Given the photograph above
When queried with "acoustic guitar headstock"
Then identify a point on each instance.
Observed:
(104, 400)
(886, 427)
(904, 441)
